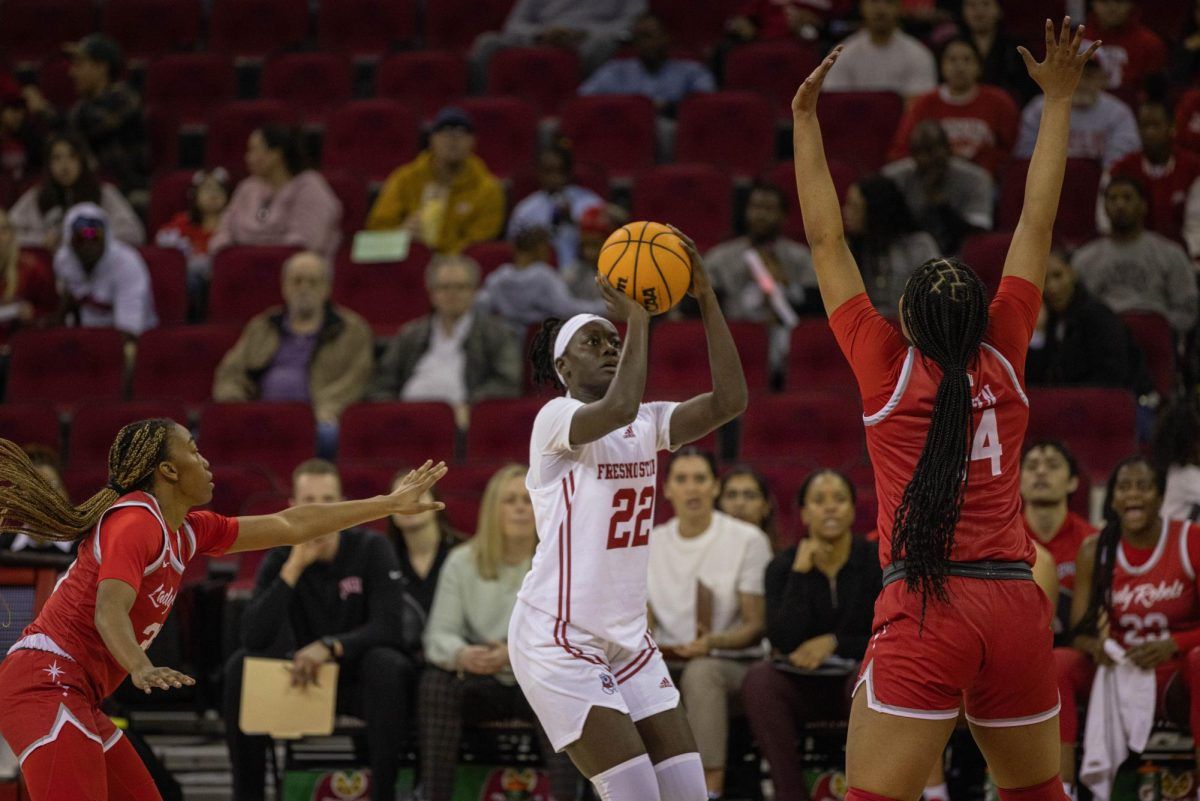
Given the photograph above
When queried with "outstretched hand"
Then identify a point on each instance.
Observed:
(407, 495)
(1058, 74)
(804, 104)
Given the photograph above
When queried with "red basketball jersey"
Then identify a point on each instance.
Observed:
(898, 387)
(1155, 596)
(131, 543)
(1064, 546)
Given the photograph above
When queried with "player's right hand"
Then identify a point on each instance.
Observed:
(804, 104)
(1058, 74)
(406, 498)
(620, 306)
(159, 678)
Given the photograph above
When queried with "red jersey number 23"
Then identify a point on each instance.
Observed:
(987, 441)
(626, 504)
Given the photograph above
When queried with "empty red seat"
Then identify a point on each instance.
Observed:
(505, 132)
(245, 281)
(276, 436)
(1076, 220)
(94, 425)
(783, 175)
(490, 255)
(1167, 18)
(1096, 424)
(168, 281)
(179, 362)
(1026, 19)
(1154, 336)
(55, 81)
(707, 131)
(29, 29)
(675, 373)
(500, 429)
(365, 479)
(188, 87)
(313, 84)
(84, 481)
(256, 28)
(387, 294)
(150, 28)
(454, 24)
(821, 427)
(168, 196)
(696, 25)
(471, 477)
(62, 365)
(858, 127)
(617, 131)
(424, 80)
(365, 28)
(462, 511)
(772, 69)
(235, 484)
(695, 198)
(815, 361)
(27, 423)
(543, 76)
(231, 126)
(370, 138)
(407, 433)
(985, 254)
(351, 190)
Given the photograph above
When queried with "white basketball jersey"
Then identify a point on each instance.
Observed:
(594, 507)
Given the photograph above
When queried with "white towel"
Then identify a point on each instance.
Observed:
(1119, 718)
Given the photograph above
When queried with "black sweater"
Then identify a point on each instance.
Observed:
(357, 598)
(801, 606)
(1086, 345)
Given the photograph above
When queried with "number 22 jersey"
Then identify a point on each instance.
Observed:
(594, 507)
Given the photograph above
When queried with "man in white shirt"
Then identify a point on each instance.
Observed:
(706, 599)
(883, 58)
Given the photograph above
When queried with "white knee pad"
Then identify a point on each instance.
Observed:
(633, 780)
(681, 778)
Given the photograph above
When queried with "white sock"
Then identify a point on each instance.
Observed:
(633, 780)
(937, 792)
(681, 778)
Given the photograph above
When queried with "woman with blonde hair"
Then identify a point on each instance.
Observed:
(27, 292)
(467, 678)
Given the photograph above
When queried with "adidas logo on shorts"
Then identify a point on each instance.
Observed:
(629, 433)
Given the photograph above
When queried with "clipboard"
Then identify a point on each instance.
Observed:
(271, 705)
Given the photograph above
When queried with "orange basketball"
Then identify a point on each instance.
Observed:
(647, 262)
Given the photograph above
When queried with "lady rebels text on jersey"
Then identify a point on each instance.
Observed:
(1157, 597)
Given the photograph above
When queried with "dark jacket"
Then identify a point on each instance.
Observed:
(801, 606)
(112, 124)
(1086, 345)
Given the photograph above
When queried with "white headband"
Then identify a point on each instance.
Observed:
(568, 330)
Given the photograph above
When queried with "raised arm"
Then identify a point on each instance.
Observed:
(837, 272)
(1057, 75)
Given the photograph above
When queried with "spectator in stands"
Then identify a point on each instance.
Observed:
(1131, 51)
(1185, 56)
(69, 179)
(1132, 269)
(105, 283)
(46, 462)
(282, 201)
(979, 120)
(191, 231)
(557, 205)
(594, 29)
(651, 71)
(529, 290)
(883, 58)
(1170, 174)
(458, 355)
(1102, 127)
(1078, 341)
(422, 542)
(948, 196)
(706, 602)
(820, 597)
(28, 295)
(746, 496)
(467, 679)
(307, 350)
(20, 141)
(1175, 446)
(885, 239)
(773, 20)
(1002, 64)
(595, 226)
(337, 599)
(446, 197)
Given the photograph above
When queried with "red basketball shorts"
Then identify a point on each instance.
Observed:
(988, 650)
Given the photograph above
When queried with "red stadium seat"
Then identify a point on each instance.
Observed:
(617, 131)
(362, 29)
(543, 76)
(1026, 19)
(168, 281)
(94, 426)
(770, 68)
(1076, 221)
(84, 481)
(168, 196)
(424, 80)
(1167, 18)
(62, 365)
(1096, 424)
(245, 281)
(815, 361)
(705, 134)
(1154, 336)
(370, 138)
(696, 25)
(471, 477)
(783, 175)
(147, 29)
(821, 427)
(55, 82)
(696, 198)
(276, 436)
(313, 84)
(675, 373)
(351, 190)
(235, 484)
(188, 87)
(985, 254)
(387, 294)
(365, 479)
(407, 433)
(29, 29)
(256, 28)
(505, 132)
(179, 362)
(858, 127)
(28, 423)
(490, 255)
(231, 126)
(462, 511)
(500, 429)
(454, 24)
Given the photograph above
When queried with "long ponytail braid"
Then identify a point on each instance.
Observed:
(30, 505)
(945, 311)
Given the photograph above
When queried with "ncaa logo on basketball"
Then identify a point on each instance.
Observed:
(607, 684)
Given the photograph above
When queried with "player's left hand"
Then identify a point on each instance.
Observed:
(812, 653)
(701, 284)
(1150, 655)
(804, 103)
(307, 662)
(696, 648)
(407, 495)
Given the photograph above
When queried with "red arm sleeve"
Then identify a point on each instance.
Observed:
(1011, 320)
(873, 347)
(215, 533)
(130, 540)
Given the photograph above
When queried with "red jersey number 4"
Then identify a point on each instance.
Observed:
(987, 445)
(626, 503)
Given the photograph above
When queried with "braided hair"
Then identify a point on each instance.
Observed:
(541, 353)
(31, 505)
(945, 312)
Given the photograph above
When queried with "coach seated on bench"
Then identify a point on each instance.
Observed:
(338, 598)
